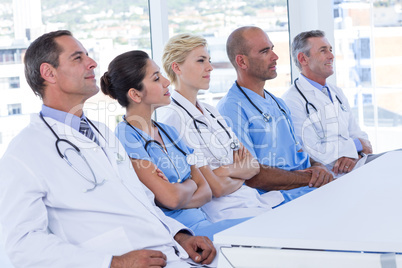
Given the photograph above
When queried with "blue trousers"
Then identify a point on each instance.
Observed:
(292, 194)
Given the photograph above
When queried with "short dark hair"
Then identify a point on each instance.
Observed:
(43, 49)
(126, 71)
(237, 44)
(300, 44)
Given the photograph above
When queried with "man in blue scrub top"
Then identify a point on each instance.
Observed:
(262, 122)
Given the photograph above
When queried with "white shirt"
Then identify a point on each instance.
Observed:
(49, 221)
(329, 133)
(214, 144)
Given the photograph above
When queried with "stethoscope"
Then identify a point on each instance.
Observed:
(266, 117)
(234, 144)
(309, 104)
(189, 158)
(76, 150)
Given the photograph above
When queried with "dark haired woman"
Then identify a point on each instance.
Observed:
(180, 190)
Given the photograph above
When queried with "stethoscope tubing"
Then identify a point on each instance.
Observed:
(157, 142)
(308, 103)
(198, 121)
(94, 182)
(233, 145)
(267, 117)
(148, 142)
(312, 105)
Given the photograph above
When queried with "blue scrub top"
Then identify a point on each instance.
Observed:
(134, 146)
(272, 143)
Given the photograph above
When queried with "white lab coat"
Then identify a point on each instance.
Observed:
(49, 221)
(332, 140)
(246, 201)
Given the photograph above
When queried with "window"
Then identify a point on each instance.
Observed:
(368, 64)
(14, 109)
(4, 83)
(364, 74)
(9, 82)
(362, 48)
(14, 82)
(105, 30)
(10, 56)
(216, 21)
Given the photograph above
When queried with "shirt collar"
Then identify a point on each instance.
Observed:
(315, 84)
(187, 104)
(63, 117)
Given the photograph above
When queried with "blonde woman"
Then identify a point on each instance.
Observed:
(161, 160)
(225, 163)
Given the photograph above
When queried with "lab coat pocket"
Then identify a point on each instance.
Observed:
(113, 242)
(317, 125)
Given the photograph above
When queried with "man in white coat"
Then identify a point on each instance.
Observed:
(320, 111)
(69, 200)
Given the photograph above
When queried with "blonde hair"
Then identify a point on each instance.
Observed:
(177, 49)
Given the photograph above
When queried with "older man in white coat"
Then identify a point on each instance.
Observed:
(320, 111)
(69, 200)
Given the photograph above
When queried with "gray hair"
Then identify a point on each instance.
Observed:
(43, 50)
(300, 44)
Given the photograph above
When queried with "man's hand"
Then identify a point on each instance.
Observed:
(367, 148)
(139, 259)
(344, 165)
(320, 175)
(199, 248)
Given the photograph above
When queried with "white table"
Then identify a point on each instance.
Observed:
(360, 212)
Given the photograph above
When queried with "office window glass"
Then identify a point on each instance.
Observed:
(215, 20)
(106, 28)
(14, 82)
(9, 82)
(14, 109)
(4, 83)
(368, 64)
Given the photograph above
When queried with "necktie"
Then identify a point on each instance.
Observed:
(325, 91)
(86, 130)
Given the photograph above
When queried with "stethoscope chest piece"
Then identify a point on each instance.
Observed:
(119, 158)
(267, 118)
(234, 145)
